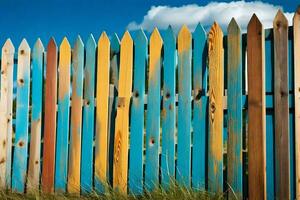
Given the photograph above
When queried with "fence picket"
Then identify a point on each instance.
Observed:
(87, 151)
(235, 112)
(76, 118)
(36, 117)
(216, 86)
(200, 110)
(153, 114)
(63, 116)
(169, 108)
(6, 108)
(256, 110)
(296, 29)
(183, 169)
(137, 114)
(22, 118)
(122, 119)
(281, 106)
(50, 119)
(102, 95)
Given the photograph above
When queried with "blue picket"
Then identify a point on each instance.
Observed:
(137, 114)
(63, 117)
(169, 109)
(22, 117)
(183, 170)
(200, 109)
(87, 151)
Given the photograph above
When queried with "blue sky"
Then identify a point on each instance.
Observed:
(35, 18)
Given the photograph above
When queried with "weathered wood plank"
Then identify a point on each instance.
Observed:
(6, 107)
(216, 87)
(256, 110)
(22, 119)
(235, 112)
(153, 114)
(102, 95)
(281, 107)
(120, 167)
(183, 169)
(86, 176)
(137, 114)
(33, 179)
(50, 119)
(169, 109)
(114, 60)
(63, 116)
(296, 30)
(200, 111)
(76, 118)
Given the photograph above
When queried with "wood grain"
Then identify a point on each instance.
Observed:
(216, 87)
(256, 110)
(120, 167)
(50, 119)
(296, 30)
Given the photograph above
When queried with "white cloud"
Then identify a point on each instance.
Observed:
(221, 12)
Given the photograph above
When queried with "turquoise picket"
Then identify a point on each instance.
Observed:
(183, 170)
(22, 118)
(153, 112)
(87, 150)
(137, 114)
(63, 117)
(234, 110)
(169, 109)
(200, 109)
(114, 77)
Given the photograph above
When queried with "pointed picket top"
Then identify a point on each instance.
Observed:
(233, 27)
(78, 43)
(38, 46)
(184, 39)
(24, 47)
(103, 40)
(52, 43)
(140, 37)
(297, 15)
(184, 32)
(280, 20)
(199, 30)
(91, 42)
(126, 38)
(65, 45)
(8, 46)
(215, 32)
(155, 37)
(254, 23)
(169, 35)
(115, 43)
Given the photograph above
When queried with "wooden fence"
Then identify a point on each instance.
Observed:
(213, 112)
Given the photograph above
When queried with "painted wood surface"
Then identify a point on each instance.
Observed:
(216, 87)
(281, 106)
(168, 118)
(296, 31)
(22, 119)
(200, 111)
(50, 119)
(87, 149)
(183, 169)
(137, 114)
(235, 112)
(120, 167)
(102, 94)
(6, 109)
(76, 118)
(34, 166)
(153, 112)
(63, 116)
(256, 110)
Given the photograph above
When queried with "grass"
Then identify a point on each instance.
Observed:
(175, 192)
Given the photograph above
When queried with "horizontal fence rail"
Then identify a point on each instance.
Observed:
(212, 112)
